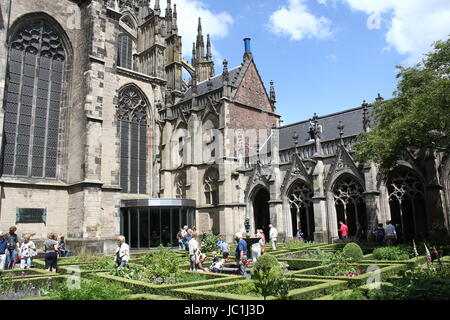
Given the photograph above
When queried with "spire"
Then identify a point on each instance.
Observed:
(157, 8)
(174, 22)
(208, 48)
(340, 128)
(168, 17)
(200, 43)
(273, 99)
(193, 53)
(366, 119)
(225, 73)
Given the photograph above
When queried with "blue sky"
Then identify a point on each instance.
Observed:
(324, 56)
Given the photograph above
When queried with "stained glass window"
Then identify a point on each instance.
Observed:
(132, 120)
(33, 101)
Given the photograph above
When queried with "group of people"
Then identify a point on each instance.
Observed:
(13, 251)
(389, 236)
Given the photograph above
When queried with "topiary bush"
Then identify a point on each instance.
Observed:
(353, 252)
(267, 276)
(162, 265)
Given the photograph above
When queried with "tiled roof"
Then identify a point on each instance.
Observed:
(351, 119)
(217, 83)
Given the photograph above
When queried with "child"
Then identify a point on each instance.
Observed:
(217, 266)
(225, 248)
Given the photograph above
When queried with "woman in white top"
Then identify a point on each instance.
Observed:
(257, 247)
(27, 252)
(194, 252)
(122, 252)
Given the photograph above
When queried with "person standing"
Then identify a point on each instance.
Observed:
(379, 234)
(391, 234)
(241, 253)
(180, 239)
(300, 235)
(122, 252)
(343, 229)
(27, 252)
(263, 240)
(257, 248)
(194, 252)
(187, 237)
(13, 248)
(225, 248)
(273, 235)
(3, 250)
(51, 250)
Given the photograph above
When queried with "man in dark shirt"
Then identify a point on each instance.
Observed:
(241, 253)
(13, 247)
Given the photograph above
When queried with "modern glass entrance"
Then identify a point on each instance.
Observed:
(147, 223)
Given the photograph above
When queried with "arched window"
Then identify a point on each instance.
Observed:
(132, 118)
(302, 210)
(180, 185)
(407, 203)
(33, 94)
(211, 185)
(350, 204)
(125, 52)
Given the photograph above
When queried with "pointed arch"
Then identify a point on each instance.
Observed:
(300, 198)
(211, 186)
(133, 119)
(349, 202)
(407, 204)
(36, 97)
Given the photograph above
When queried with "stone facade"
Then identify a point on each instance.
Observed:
(129, 127)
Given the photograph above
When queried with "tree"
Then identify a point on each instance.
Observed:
(417, 119)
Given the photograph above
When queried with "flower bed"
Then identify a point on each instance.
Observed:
(240, 290)
(138, 286)
(322, 272)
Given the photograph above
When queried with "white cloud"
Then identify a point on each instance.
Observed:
(217, 24)
(327, 3)
(296, 22)
(332, 57)
(413, 24)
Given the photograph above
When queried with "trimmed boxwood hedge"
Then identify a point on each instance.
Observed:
(143, 296)
(386, 271)
(17, 273)
(409, 262)
(206, 292)
(166, 289)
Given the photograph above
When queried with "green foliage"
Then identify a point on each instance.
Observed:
(392, 253)
(355, 294)
(418, 116)
(353, 252)
(426, 282)
(338, 264)
(162, 265)
(95, 289)
(132, 272)
(101, 263)
(209, 243)
(295, 244)
(266, 275)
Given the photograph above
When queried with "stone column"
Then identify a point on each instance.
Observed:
(372, 197)
(321, 233)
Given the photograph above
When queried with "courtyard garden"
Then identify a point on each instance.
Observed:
(295, 271)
